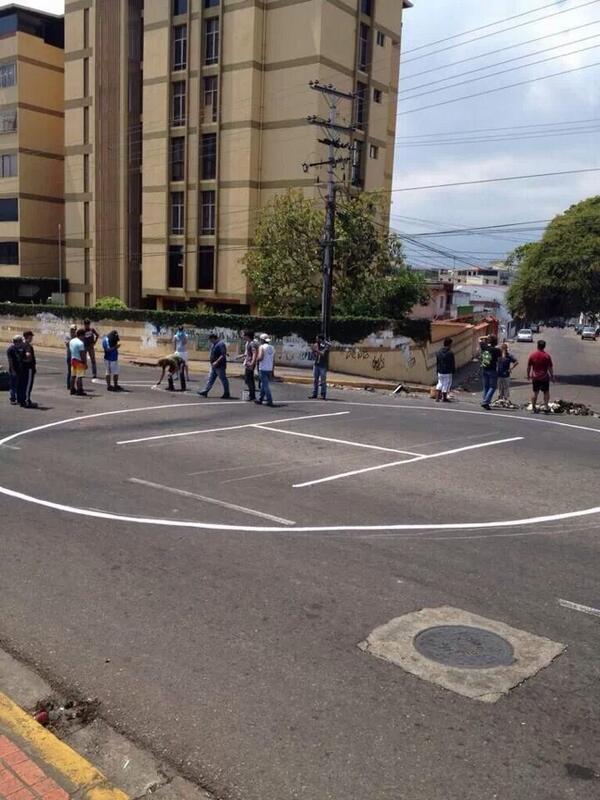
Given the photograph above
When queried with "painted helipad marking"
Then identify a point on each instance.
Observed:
(232, 506)
(230, 428)
(406, 461)
(207, 526)
(343, 441)
(595, 612)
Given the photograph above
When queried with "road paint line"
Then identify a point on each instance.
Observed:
(261, 474)
(90, 782)
(230, 428)
(343, 441)
(213, 501)
(235, 469)
(595, 612)
(11, 446)
(406, 461)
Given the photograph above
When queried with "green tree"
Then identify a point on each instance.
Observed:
(370, 275)
(516, 257)
(110, 303)
(560, 275)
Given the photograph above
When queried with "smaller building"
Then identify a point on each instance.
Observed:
(438, 304)
(31, 142)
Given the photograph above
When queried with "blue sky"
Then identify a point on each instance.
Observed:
(561, 99)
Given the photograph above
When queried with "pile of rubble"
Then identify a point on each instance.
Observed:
(567, 407)
(501, 403)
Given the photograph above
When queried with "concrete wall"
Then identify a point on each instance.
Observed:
(382, 355)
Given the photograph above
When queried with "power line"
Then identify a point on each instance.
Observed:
(488, 139)
(501, 63)
(508, 128)
(504, 30)
(497, 180)
(485, 228)
(481, 27)
(498, 89)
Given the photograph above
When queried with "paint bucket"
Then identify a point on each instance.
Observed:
(245, 395)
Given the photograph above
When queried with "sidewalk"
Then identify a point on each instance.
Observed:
(35, 765)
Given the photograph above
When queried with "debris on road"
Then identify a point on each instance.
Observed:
(501, 403)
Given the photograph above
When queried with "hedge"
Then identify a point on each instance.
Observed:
(343, 329)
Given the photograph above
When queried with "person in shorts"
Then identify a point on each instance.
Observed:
(78, 353)
(174, 366)
(90, 337)
(110, 345)
(70, 335)
(540, 370)
(446, 367)
(506, 363)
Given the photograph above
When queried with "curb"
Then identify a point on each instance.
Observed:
(90, 783)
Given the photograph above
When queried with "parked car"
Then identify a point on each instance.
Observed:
(589, 332)
(525, 335)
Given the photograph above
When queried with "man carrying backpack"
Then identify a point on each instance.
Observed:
(488, 359)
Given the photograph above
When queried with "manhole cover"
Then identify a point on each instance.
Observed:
(464, 646)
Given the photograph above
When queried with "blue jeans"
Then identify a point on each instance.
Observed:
(221, 374)
(265, 387)
(490, 382)
(12, 387)
(319, 376)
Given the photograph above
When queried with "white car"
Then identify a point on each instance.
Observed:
(525, 335)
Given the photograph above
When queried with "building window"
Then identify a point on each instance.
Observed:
(9, 252)
(209, 156)
(175, 271)
(211, 98)
(8, 121)
(211, 40)
(366, 7)
(177, 213)
(179, 47)
(8, 166)
(373, 151)
(363, 47)
(9, 209)
(359, 104)
(179, 7)
(178, 99)
(207, 226)
(211, 3)
(177, 158)
(8, 75)
(358, 164)
(377, 95)
(206, 267)
(380, 39)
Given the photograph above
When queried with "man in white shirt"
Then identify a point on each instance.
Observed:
(265, 360)
(180, 340)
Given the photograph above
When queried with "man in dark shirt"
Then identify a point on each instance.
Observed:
(446, 367)
(320, 353)
(14, 367)
(90, 337)
(540, 370)
(489, 355)
(26, 371)
(218, 367)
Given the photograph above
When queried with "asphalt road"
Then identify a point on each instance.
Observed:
(227, 641)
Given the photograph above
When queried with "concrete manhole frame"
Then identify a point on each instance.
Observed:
(209, 526)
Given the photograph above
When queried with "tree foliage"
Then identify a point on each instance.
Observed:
(560, 275)
(109, 303)
(284, 268)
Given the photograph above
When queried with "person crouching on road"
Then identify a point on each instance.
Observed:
(218, 367)
(78, 362)
(266, 358)
(110, 345)
(506, 363)
(14, 366)
(174, 366)
(446, 367)
(27, 370)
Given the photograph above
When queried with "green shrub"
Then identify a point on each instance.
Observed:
(110, 303)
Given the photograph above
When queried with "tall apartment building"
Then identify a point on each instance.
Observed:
(185, 117)
(31, 142)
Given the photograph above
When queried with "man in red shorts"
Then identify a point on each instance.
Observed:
(540, 371)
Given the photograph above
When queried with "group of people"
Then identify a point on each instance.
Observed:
(21, 370)
(497, 365)
(80, 345)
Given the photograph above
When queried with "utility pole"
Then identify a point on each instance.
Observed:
(60, 260)
(332, 132)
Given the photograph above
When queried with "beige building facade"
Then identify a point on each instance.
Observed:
(185, 117)
(31, 142)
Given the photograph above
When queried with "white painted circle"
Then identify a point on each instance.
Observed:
(84, 512)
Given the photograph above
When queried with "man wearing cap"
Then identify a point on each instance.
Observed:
(14, 365)
(265, 360)
(218, 367)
